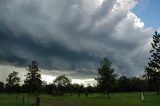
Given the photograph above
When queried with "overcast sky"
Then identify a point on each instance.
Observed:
(71, 36)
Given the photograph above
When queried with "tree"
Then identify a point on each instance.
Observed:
(124, 83)
(62, 82)
(1, 86)
(153, 68)
(50, 88)
(33, 78)
(12, 82)
(136, 84)
(107, 77)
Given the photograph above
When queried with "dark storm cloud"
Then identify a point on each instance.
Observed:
(10, 44)
(72, 35)
(7, 42)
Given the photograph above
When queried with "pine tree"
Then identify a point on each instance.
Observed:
(107, 77)
(153, 68)
(33, 78)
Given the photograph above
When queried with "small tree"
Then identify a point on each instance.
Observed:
(107, 77)
(12, 82)
(62, 82)
(33, 78)
(153, 68)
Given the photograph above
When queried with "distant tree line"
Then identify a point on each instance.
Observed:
(107, 80)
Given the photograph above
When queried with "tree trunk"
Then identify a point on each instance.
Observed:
(108, 94)
(157, 92)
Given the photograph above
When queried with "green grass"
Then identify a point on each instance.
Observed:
(16, 100)
(117, 99)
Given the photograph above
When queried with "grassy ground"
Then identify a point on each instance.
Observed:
(117, 99)
(16, 100)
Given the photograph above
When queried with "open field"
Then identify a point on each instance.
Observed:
(117, 99)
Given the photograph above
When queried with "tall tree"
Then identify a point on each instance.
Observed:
(107, 77)
(33, 80)
(153, 68)
(12, 82)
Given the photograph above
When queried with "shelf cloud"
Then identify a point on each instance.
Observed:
(73, 35)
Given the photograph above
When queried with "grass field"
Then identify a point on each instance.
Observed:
(117, 99)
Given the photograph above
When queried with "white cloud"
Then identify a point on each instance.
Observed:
(5, 70)
(126, 4)
(49, 77)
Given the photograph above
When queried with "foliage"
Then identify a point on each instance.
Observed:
(13, 80)
(107, 82)
(33, 78)
(1, 86)
(124, 83)
(62, 82)
(131, 84)
(107, 77)
(153, 68)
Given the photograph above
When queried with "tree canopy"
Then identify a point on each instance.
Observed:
(33, 78)
(107, 77)
(12, 82)
(62, 80)
(153, 68)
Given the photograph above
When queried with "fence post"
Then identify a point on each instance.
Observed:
(17, 99)
(23, 100)
(38, 101)
(28, 101)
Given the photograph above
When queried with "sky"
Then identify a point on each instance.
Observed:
(147, 10)
(71, 37)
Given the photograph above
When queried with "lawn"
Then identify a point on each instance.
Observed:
(117, 99)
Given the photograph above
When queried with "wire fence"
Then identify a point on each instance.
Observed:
(25, 101)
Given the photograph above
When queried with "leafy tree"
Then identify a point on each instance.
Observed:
(33, 80)
(136, 84)
(78, 89)
(50, 89)
(12, 82)
(1, 86)
(124, 83)
(153, 68)
(107, 77)
(88, 90)
(75, 88)
(62, 82)
(132, 84)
